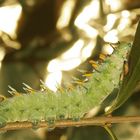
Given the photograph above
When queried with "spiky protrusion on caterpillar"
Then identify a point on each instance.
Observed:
(68, 103)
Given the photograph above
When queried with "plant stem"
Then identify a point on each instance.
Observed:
(110, 132)
(100, 121)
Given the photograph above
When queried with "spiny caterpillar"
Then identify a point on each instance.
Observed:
(66, 103)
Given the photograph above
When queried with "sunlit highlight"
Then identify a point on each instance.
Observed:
(89, 12)
(81, 50)
(125, 21)
(111, 36)
(114, 4)
(59, 65)
(111, 19)
(125, 14)
(87, 50)
(107, 49)
(65, 15)
(53, 80)
(68, 60)
(8, 18)
(9, 42)
(90, 31)
(2, 54)
(53, 65)
(74, 51)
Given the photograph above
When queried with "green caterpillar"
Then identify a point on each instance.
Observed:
(66, 103)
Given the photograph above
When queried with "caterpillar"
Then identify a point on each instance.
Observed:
(67, 103)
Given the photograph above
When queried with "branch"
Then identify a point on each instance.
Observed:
(100, 121)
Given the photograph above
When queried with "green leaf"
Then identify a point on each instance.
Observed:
(133, 77)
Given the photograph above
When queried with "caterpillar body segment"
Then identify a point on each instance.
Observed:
(69, 103)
